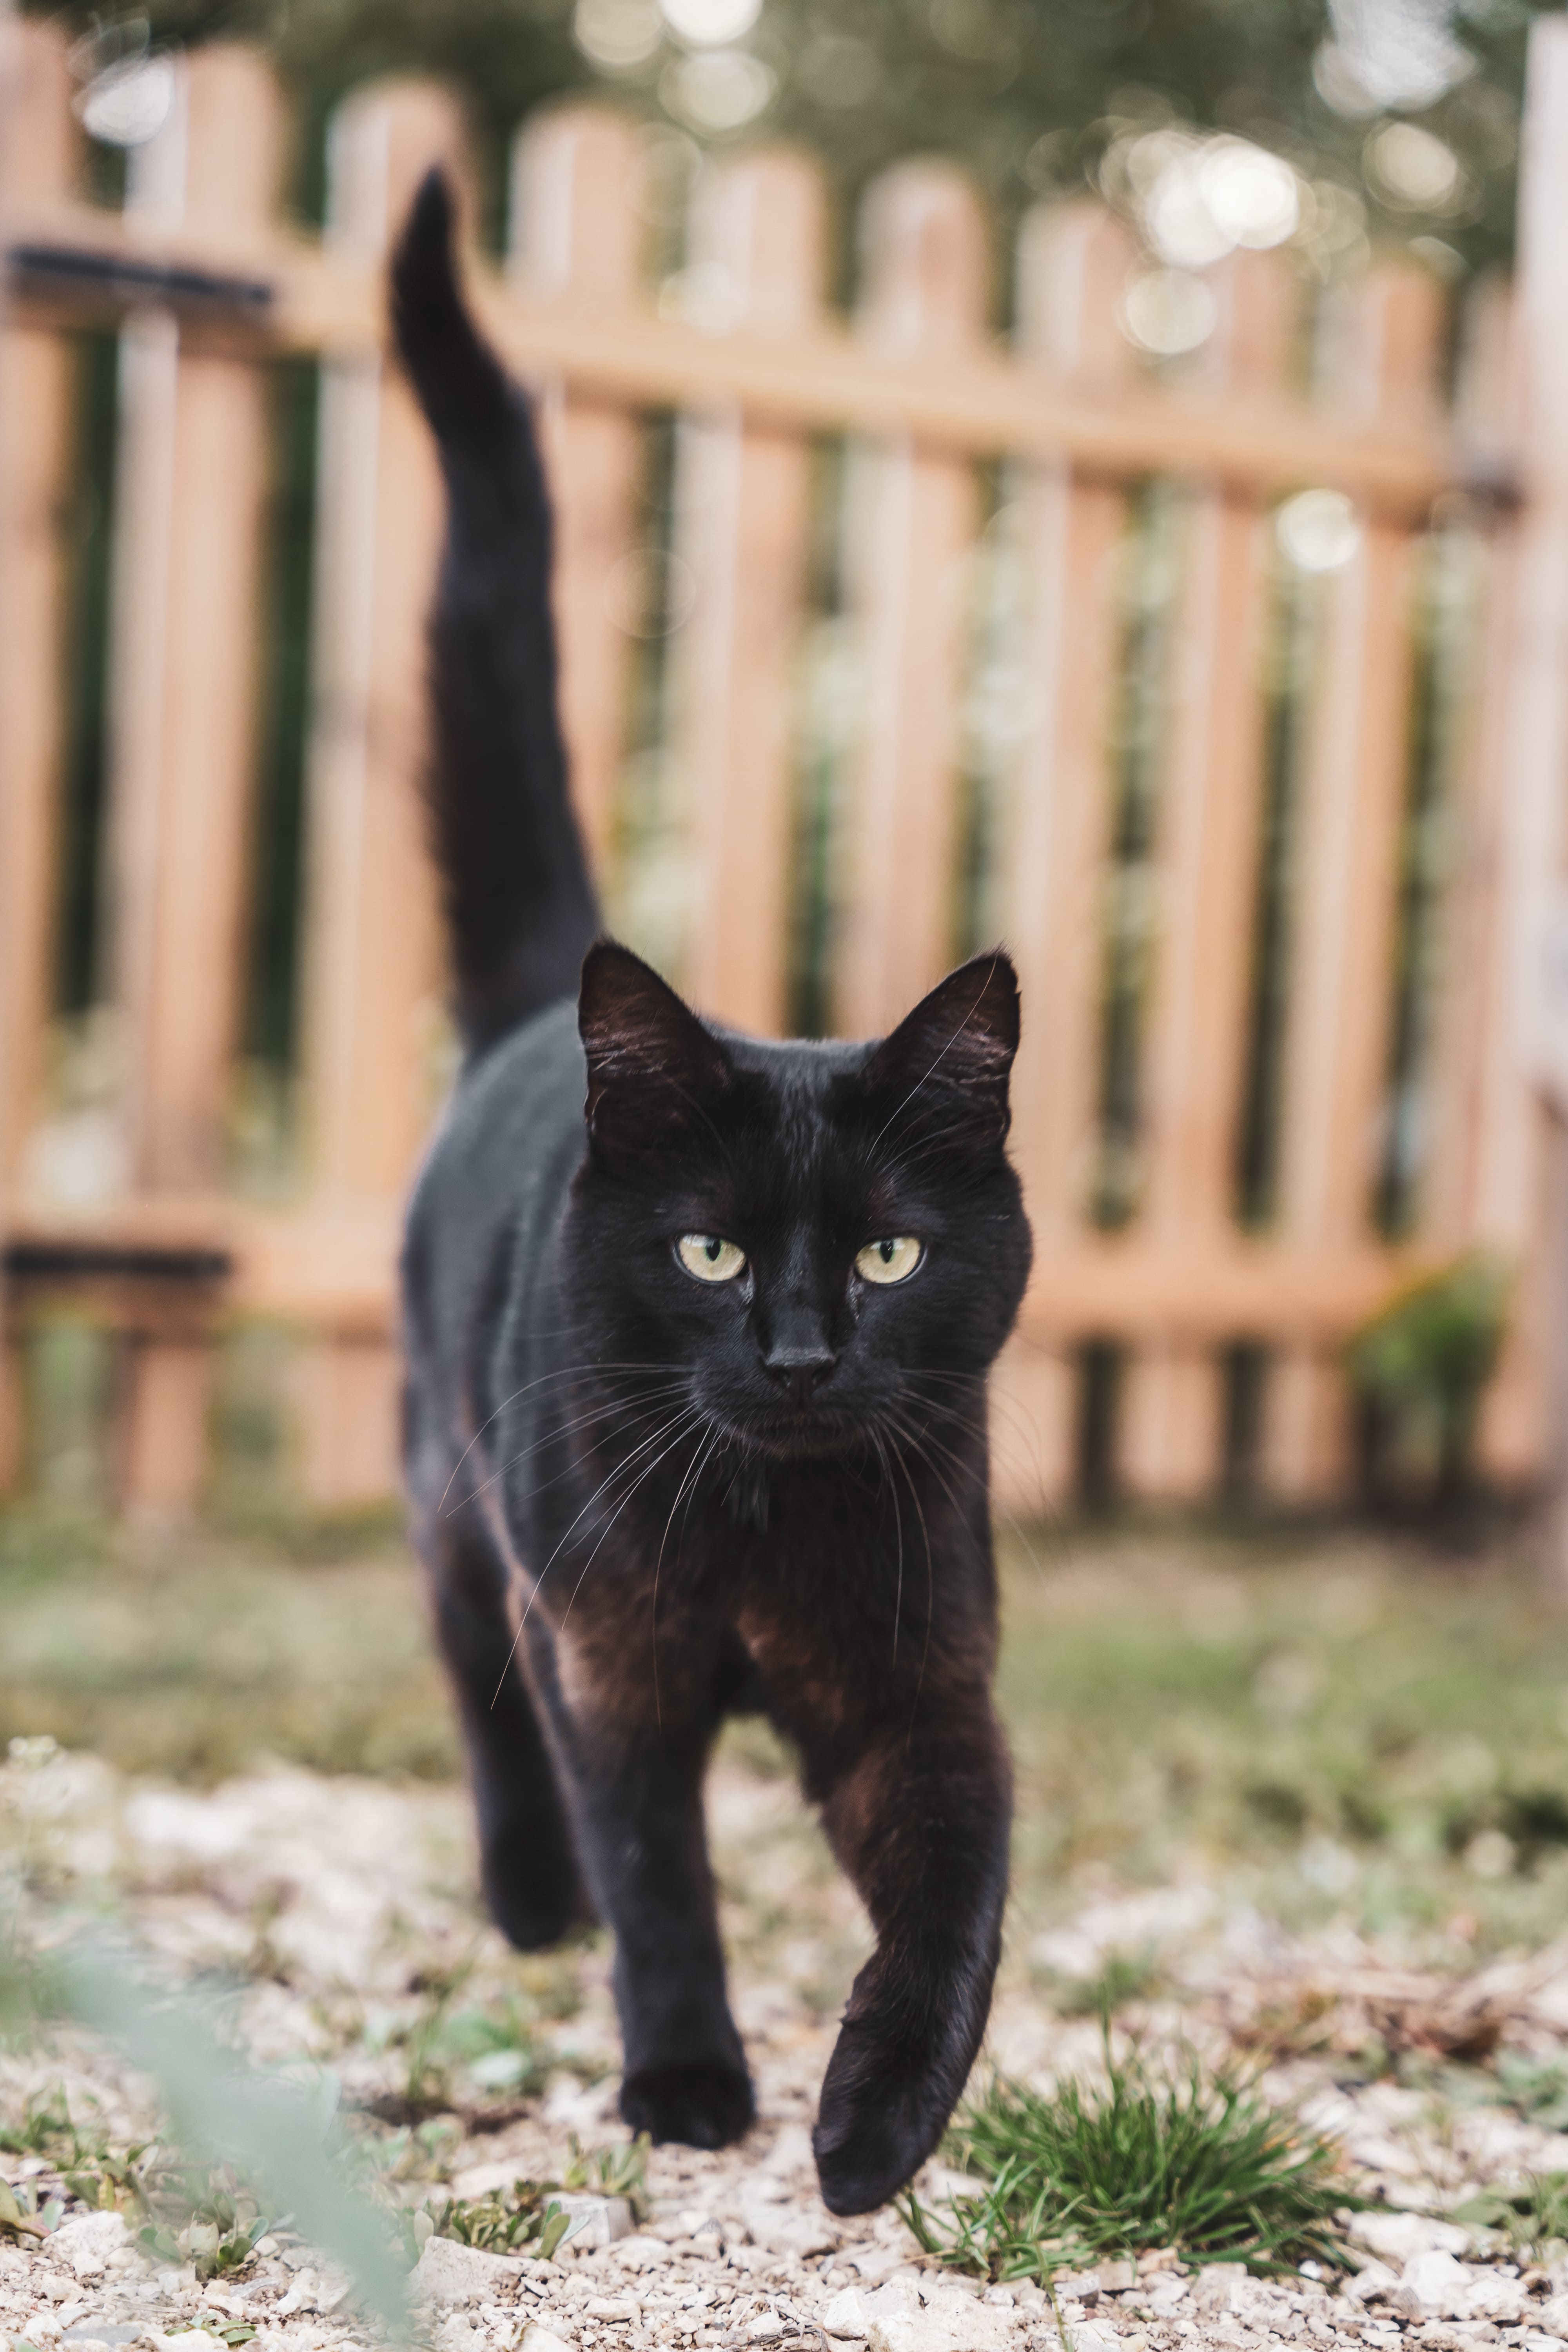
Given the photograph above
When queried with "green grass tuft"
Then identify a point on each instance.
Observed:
(1090, 2172)
(1533, 2218)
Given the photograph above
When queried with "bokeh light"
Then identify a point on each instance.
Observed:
(1413, 169)
(128, 103)
(717, 89)
(1168, 311)
(1318, 531)
(616, 35)
(710, 24)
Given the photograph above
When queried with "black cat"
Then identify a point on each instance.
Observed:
(698, 1334)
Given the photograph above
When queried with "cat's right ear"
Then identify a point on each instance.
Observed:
(654, 1073)
(947, 1062)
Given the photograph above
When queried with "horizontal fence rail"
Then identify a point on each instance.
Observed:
(69, 263)
(1241, 714)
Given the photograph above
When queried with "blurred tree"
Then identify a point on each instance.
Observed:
(1031, 95)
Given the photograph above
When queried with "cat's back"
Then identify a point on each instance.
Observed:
(489, 1195)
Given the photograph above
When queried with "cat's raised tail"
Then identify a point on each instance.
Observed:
(520, 905)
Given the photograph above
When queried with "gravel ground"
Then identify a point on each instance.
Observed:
(345, 1911)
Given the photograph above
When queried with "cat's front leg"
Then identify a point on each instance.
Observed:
(920, 1820)
(639, 1811)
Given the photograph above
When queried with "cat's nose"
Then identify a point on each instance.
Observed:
(801, 1369)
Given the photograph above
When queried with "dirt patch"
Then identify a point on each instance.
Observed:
(343, 1913)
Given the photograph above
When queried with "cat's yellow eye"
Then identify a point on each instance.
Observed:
(893, 1260)
(709, 1258)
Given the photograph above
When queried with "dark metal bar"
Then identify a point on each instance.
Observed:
(99, 281)
(58, 1261)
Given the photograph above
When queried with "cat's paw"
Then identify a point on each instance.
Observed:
(866, 2163)
(876, 2127)
(531, 1925)
(535, 1899)
(697, 2106)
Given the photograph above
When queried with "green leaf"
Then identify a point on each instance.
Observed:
(12, 2218)
(1486, 2210)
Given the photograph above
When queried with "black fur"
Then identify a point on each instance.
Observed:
(769, 1492)
(520, 909)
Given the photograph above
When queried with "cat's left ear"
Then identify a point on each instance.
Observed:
(654, 1073)
(959, 1041)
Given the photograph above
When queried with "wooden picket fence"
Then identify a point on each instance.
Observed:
(205, 287)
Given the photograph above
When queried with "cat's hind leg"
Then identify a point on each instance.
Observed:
(527, 1860)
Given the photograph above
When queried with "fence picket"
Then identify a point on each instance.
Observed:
(749, 358)
(191, 480)
(576, 237)
(1486, 397)
(1514, 838)
(371, 956)
(183, 793)
(37, 163)
(744, 524)
(1208, 827)
(1073, 263)
(1381, 361)
(911, 522)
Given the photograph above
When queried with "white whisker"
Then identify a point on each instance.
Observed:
(605, 1484)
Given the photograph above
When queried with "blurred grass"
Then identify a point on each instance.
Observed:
(1362, 1725)
(1352, 1724)
(195, 1655)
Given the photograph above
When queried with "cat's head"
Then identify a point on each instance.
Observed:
(812, 1241)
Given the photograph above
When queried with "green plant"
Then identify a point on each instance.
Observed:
(1181, 2159)
(528, 2215)
(19, 2217)
(612, 2171)
(1531, 2218)
(98, 2175)
(497, 2046)
(187, 2210)
(107, 2179)
(413, 2152)
(1421, 1364)
(424, 2079)
(45, 2123)
(46, 2129)
(206, 2217)
(525, 2216)
(237, 2137)
(210, 2251)
(1537, 2087)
